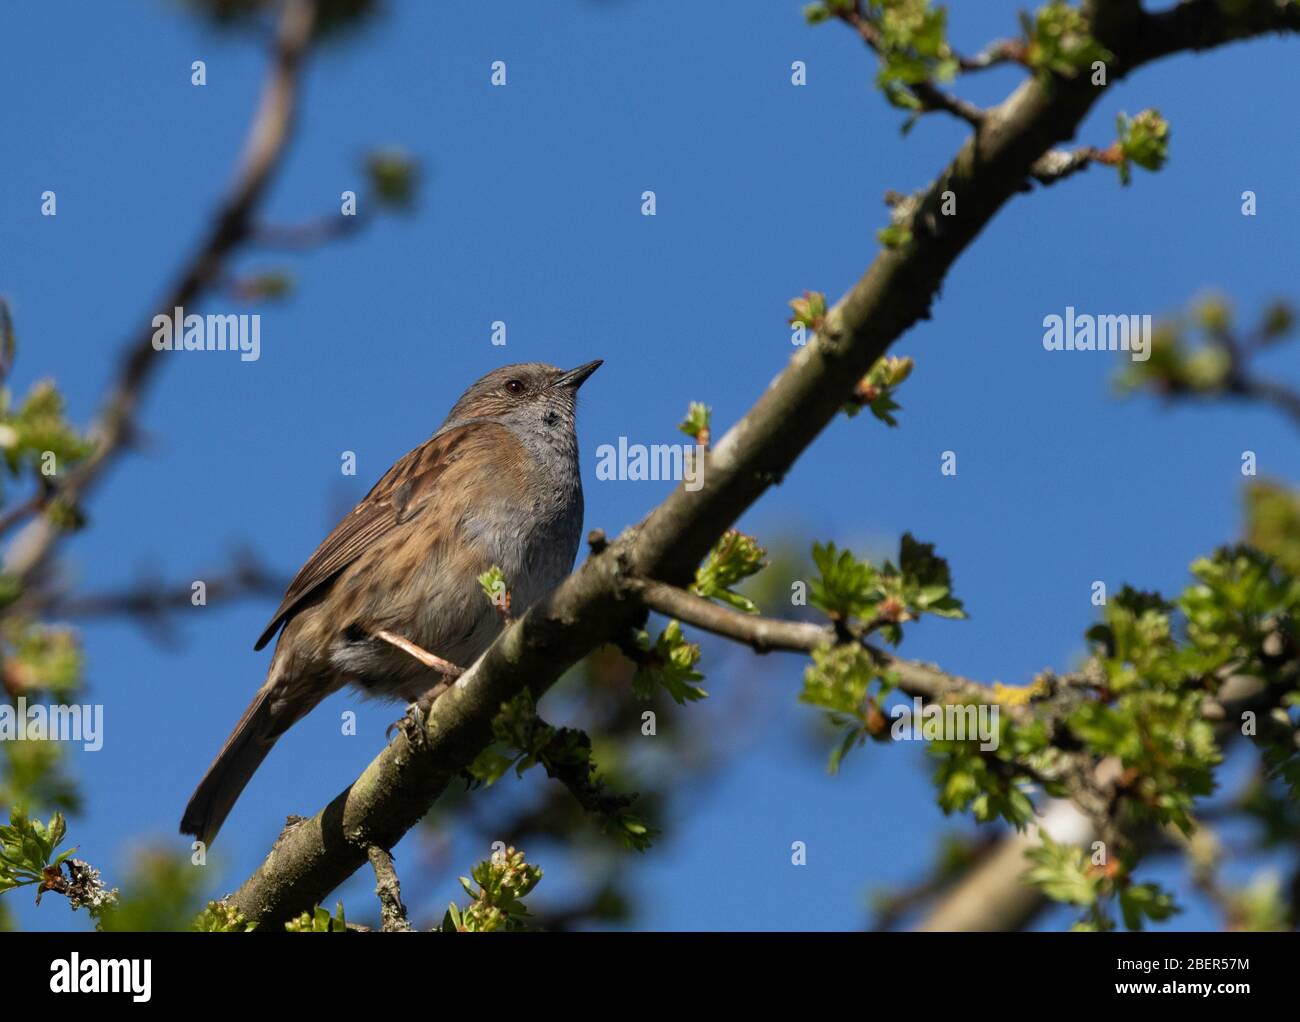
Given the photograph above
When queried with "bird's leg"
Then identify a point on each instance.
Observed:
(413, 720)
(423, 655)
(419, 709)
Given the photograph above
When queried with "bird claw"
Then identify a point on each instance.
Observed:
(411, 725)
(414, 721)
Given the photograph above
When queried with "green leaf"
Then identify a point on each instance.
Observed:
(734, 558)
(876, 390)
(1143, 140)
(894, 236)
(696, 424)
(852, 737)
(669, 663)
(808, 311)
(319, 920)
(1063, 873)
(221, 917)
(495, 588)
(1058, 41)
(503, 882)
(1139, 902)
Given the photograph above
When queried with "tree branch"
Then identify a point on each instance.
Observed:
(262, 152)
(389, 891)
(765, 634)
(1004, 51)
(992, 896)
(929, 95)
(1058, 164)
(151, 603)
(597, 603)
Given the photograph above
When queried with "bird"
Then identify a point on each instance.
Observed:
(390, 603)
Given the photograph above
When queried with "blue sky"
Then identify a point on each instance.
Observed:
(530, 214)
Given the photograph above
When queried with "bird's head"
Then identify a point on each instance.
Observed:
(529, 395)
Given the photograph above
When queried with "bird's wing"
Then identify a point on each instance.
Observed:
(405, 491)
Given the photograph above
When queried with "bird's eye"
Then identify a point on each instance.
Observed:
(515, 387)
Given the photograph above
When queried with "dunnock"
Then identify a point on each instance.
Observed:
(390, 602)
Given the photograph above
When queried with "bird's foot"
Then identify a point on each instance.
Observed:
(413, 721)
(411, 724)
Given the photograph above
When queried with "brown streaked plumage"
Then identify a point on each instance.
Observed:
(498, 483)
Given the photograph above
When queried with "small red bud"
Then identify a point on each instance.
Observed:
(891, 609)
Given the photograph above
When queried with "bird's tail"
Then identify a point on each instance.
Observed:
(233, 768)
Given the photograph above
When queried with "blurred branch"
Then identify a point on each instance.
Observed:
(152, 602)
(1242, 383)
(265, 145)
(26, 508)
(992, 896)
(310, 234)
(1220, 365)
(392, 177)
(1004, 51)
(1277, 394)
(893, 905)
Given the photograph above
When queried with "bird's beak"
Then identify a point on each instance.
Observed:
(574, 378)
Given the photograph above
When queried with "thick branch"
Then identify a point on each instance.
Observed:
(596, 603)
(1204, 25)
(993, 895)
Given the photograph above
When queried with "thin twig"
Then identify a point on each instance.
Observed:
(308, 235)
(764, 634)
(1004, 51)
(24, 509)
(152, 602)
(1058, 164)
(929, 95)
(389, 890)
